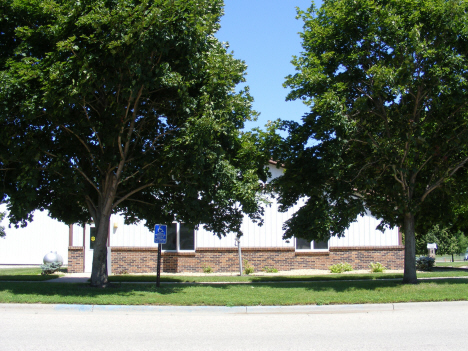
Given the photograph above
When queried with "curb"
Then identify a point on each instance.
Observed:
(297, 309)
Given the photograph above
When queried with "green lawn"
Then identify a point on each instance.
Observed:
(448, 258)
(255, 290)
(278, 293)
(451, 264)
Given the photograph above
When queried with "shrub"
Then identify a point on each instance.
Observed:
(341, 267)
(267, 269)
(49, 268)
(377, 267)
(425, 263)
(207, 269)
(248, 269)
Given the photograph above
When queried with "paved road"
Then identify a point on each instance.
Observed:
(412, 326)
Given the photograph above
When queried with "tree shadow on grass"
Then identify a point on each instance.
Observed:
(81, 290)
(28, 274)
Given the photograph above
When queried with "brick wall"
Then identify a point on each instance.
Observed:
(144, 260)
(75, 259)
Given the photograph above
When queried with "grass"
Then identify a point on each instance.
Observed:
(451, 264)
(27, 274)
(271, 294)
(448, 258)
(256, 290)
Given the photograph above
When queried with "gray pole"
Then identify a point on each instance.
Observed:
(240, 254)
(158, 272)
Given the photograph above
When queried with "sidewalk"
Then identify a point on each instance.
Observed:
(71, 278)
(85, 278)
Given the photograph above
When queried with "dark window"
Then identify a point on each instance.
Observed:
(320, 245)
(171, 239)
(303, 244)
(187, 237)
(180, 236)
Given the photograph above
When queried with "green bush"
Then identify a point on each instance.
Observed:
(49, 268)
(341, 267)
(377, 267)
(207, 269)
(248, 269)
(425, 263)
(267, 269)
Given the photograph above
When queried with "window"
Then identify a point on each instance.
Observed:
(180, 236)
(303, 244)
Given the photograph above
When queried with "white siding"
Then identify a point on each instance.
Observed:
(363, 233)
(29, 245)
(275, 172)
(133, 235)
(270, 234)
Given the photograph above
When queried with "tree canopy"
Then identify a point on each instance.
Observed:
(449, 241)
(124, 106)
(386, 82)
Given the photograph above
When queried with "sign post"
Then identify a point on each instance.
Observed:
(431, 247)
(160, 237)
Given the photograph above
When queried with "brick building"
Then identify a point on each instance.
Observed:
(132, 250)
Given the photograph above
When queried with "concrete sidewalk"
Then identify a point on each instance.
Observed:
(71, 278)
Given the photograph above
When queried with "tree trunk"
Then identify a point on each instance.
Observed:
(99, 276)
(409, 276)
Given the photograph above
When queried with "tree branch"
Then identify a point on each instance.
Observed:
(442, 179)
(123, 198)
(84, 144)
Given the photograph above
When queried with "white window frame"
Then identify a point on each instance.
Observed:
(311, 246)
(177, 249)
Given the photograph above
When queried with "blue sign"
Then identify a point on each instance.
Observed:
(160, 234)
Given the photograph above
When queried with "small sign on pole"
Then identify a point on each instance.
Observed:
(432, 246)
(160, 234)
(160, 237)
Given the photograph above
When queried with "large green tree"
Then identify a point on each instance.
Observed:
(386, 82)
(124, 106)
(449, 242)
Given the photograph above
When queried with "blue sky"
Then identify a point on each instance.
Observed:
(264, 33)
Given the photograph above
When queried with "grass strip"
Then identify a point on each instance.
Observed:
(34, 274)
(451, 264)
(25, 274)
(271, 294)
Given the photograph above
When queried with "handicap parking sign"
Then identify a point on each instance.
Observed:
(160, 234)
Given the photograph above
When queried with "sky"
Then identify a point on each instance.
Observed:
(264, 34)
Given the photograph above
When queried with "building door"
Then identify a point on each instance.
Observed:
(90, 238)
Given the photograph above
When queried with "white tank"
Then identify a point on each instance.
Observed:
(53, 257)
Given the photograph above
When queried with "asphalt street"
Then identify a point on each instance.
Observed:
(408, 326)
